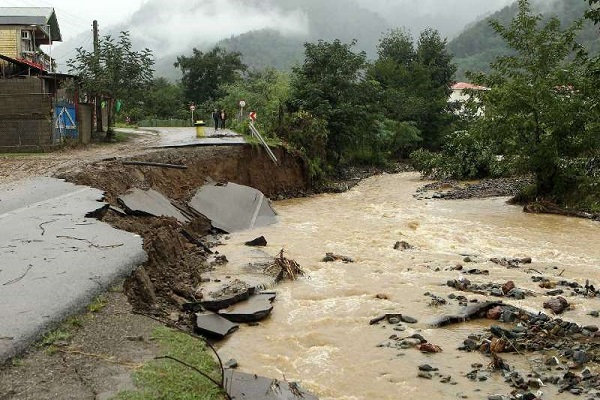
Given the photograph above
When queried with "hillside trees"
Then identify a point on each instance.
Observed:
(162, 100)
(330, 86)
(415, 82)
(538, 104)
(115, 72)
(265, 92)
(204, 74)
(539, 114)
(593, 13)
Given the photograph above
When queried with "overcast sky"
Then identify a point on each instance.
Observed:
(76, 16)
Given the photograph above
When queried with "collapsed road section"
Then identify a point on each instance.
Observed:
(54, 259)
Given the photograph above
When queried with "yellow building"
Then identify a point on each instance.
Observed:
(22, 31)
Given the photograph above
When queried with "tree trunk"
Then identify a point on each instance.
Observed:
(110, 104)
(99, 127)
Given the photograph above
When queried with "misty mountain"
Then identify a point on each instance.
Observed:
(448, 17)
(272, 32)
(478, 45)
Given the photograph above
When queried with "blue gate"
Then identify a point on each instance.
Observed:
(65, 122)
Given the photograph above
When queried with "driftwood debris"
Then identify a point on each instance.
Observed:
(284, 268)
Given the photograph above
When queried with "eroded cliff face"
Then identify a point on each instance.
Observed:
(177, 252)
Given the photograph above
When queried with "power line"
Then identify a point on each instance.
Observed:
(81, 44)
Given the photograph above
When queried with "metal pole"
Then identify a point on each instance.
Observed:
(50, 47)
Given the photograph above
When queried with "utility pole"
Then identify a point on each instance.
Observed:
(98, 99)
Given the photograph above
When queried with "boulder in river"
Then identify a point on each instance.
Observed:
(258, 242)
(330, 257)
(557, 304)
(402, 245)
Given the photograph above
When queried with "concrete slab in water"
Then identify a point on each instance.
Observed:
(54, 260)
(240, 385)
(256, 308)
(150, 202)
(226, 294)
(213, 325)
(233, 207)
(236, 280)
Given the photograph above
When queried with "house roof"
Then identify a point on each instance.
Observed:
(23, 63)
(465, 85)
(40, 16)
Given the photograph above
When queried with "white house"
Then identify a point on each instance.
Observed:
(460, 95)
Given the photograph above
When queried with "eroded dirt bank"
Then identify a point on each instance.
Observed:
(96, 360)
(178, 252)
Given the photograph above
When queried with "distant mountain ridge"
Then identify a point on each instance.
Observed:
(478, 45)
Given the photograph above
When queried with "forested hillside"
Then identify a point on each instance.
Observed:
(330, 20)
(478, 45)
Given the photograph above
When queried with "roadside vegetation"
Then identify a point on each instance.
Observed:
(176, 375)
(338, 109)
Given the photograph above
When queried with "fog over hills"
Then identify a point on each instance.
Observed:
(171, 28)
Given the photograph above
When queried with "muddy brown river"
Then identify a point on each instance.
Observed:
(319, 332)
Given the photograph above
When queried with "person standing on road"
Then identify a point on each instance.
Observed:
(216, 117)
(223, 118)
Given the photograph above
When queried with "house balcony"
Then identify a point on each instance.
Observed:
(37, 59)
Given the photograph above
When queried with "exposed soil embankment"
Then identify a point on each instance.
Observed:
(245, 165)
(177, 253)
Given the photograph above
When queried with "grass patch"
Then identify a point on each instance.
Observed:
(167, 379)
(97, 304)
(74, 322)
(57, 335)
(17, 362)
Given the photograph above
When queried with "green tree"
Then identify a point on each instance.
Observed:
(264, 92)
(163, 100)
(538, 108)
(434, 76)
(115, 72)
(205, 74)
(331, 86)
(593, 13)
(415, 80)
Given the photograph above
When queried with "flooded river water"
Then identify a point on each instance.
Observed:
(319, 332)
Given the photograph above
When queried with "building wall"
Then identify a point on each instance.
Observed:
(25, 115)
(9, 40)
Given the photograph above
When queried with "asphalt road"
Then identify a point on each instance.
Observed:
(54, 260)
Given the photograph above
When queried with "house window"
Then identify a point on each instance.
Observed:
(27, 41)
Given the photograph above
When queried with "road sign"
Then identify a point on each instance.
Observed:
(192, 107)
(252, 116)
(242, 103)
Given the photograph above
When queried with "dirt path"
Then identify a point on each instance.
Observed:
(16, 167)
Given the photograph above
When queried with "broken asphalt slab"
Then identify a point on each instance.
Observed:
(232, 207)
(213, 325)
(238, 279)
(54, 260)
(240, 385)
(256, 308)
(150, 202)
